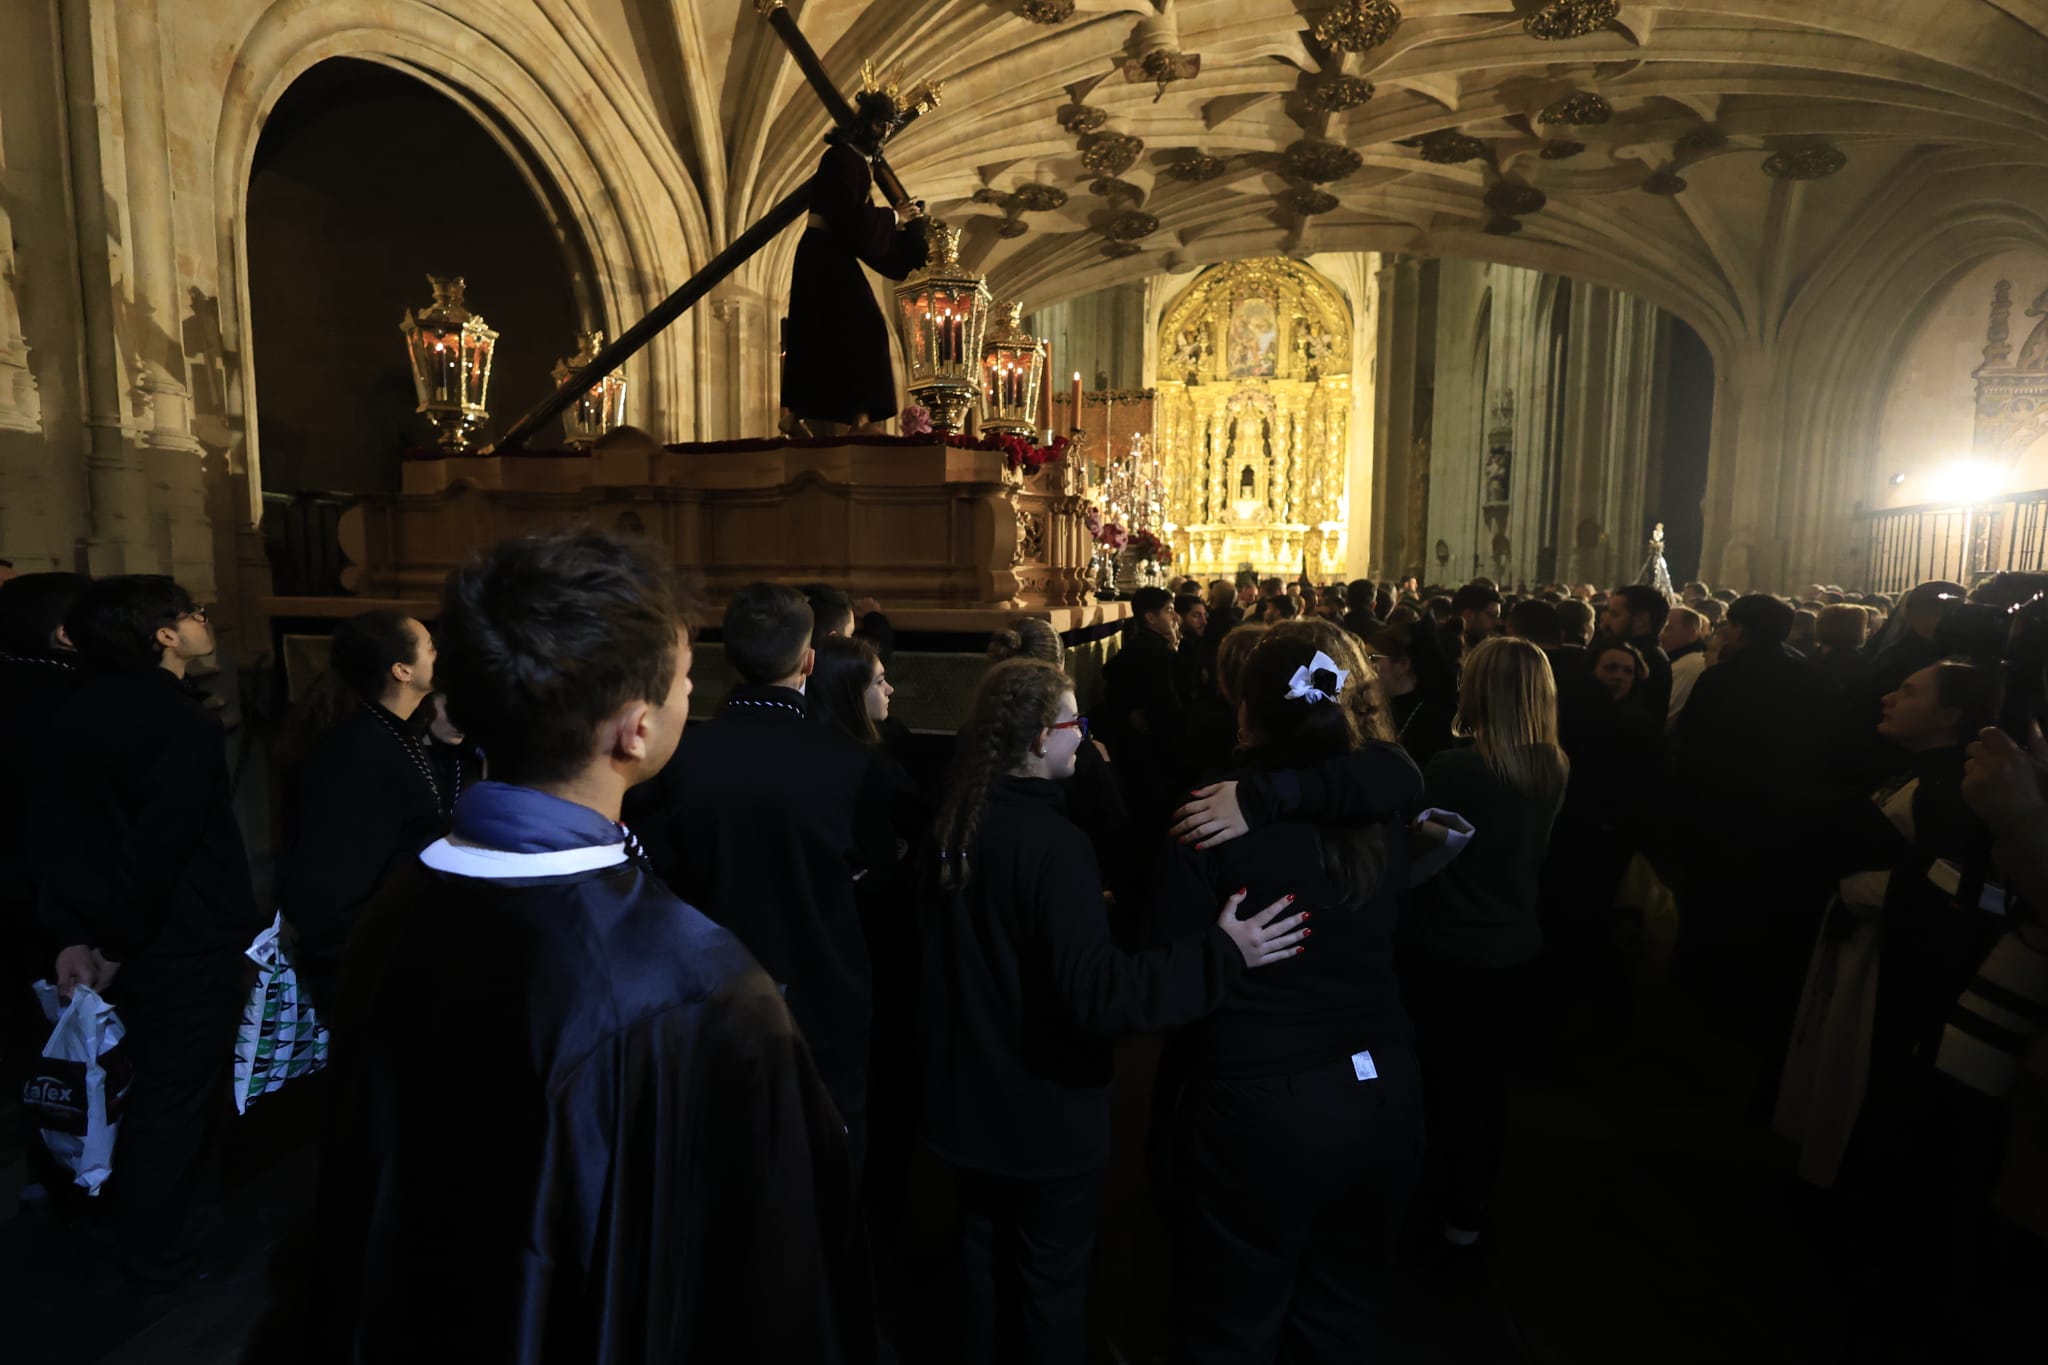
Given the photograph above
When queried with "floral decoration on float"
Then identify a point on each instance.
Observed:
(1019, 454)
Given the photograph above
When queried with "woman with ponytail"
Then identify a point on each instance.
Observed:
(1024, 993)
(1307, 1069)
(368, 794)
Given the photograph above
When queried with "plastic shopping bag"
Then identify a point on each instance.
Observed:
(281, 1037)
(75, 1091)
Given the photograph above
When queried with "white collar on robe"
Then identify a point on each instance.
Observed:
(491, 864)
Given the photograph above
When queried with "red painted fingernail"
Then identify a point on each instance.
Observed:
(1290, 900)
(1240, 891)
(1304, 914)
(1297, 948)
(1306, 932)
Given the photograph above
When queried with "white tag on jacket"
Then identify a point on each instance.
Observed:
(1362, 1067)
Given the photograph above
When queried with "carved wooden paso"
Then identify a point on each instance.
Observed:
(787, 210)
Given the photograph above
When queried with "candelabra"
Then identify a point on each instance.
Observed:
(1129, 493)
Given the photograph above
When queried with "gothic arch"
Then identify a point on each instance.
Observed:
(586, 162)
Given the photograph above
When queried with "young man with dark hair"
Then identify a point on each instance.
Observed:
(832, 612)
(144, 880)
(1634, 615)
(1477, 609)
(766, 821)
(1359, 597)
(1143, 718)
(576, 1120)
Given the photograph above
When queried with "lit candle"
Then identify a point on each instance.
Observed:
(1076, 423)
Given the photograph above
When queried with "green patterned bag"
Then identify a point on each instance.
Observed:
(281, 1037)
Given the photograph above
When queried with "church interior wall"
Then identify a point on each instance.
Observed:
(331, 266)
(127, 368)
(1928, 428)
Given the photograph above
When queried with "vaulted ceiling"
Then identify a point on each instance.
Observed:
(1713, 156)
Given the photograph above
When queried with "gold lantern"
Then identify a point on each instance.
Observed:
(941, 312)
(450, 349)
(599, 408)
(1012, 368)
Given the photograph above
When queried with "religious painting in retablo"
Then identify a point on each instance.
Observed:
(1254, 340)
(1252, 417)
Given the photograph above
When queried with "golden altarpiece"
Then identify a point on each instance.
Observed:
(1254, 397)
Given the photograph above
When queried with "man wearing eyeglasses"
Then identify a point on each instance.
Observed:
(147, 880)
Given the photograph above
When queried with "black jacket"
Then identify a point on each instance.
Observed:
(764, 819)
(1024, 991)
(142, 855)
(574, 1122)
(33, 690)
(364, 805)
(1745, 759)
(1144, 723)
(1340, 997)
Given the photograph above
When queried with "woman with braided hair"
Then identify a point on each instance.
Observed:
(1024, 993)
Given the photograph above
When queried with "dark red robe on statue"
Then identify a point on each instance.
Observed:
(836, 352)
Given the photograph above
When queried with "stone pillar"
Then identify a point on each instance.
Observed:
(1395, 550)
(1610, 391)
(1742, 547)
(116, 484)
(153, 335)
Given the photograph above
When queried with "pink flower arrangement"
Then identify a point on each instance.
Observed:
(916, 420)
(1091, 517)
(1018, 453)
(1113, 536)
(1150, 546)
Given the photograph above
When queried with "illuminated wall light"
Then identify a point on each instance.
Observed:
(1966, 481)
(1898, 479)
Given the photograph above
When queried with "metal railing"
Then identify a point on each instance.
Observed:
(1909, 545)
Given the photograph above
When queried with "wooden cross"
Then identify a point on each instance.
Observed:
(764, 230)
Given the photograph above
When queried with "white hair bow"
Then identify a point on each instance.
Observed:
(1302, 686)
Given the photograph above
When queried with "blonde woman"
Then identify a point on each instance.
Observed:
(1473, 938)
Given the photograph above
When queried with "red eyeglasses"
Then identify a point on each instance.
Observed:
(1077, 723)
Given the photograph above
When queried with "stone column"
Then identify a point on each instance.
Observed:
(153, 334)
(1399, 286)
(116, 484)
(1609, 395)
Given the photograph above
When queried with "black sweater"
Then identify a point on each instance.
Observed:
(1024, 991)
(364, 805)
(1339, 998)
(142, 857)
(764, 820)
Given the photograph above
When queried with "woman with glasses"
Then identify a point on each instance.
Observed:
(1420, 717)
(1095, 797)
(1023, 995)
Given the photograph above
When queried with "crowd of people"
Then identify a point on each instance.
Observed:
(648, 1036)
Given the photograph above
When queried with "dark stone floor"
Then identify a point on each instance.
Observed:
(1644, 1218)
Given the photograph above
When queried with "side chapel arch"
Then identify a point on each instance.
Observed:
(1254, 401)
(530, 98)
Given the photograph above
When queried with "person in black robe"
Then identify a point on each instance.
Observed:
(836, 371)
(766, 821)
(368, 796)
(38, 673)
(1143, 719)
(1024, 992)
(577, 1120)
(145, 879)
